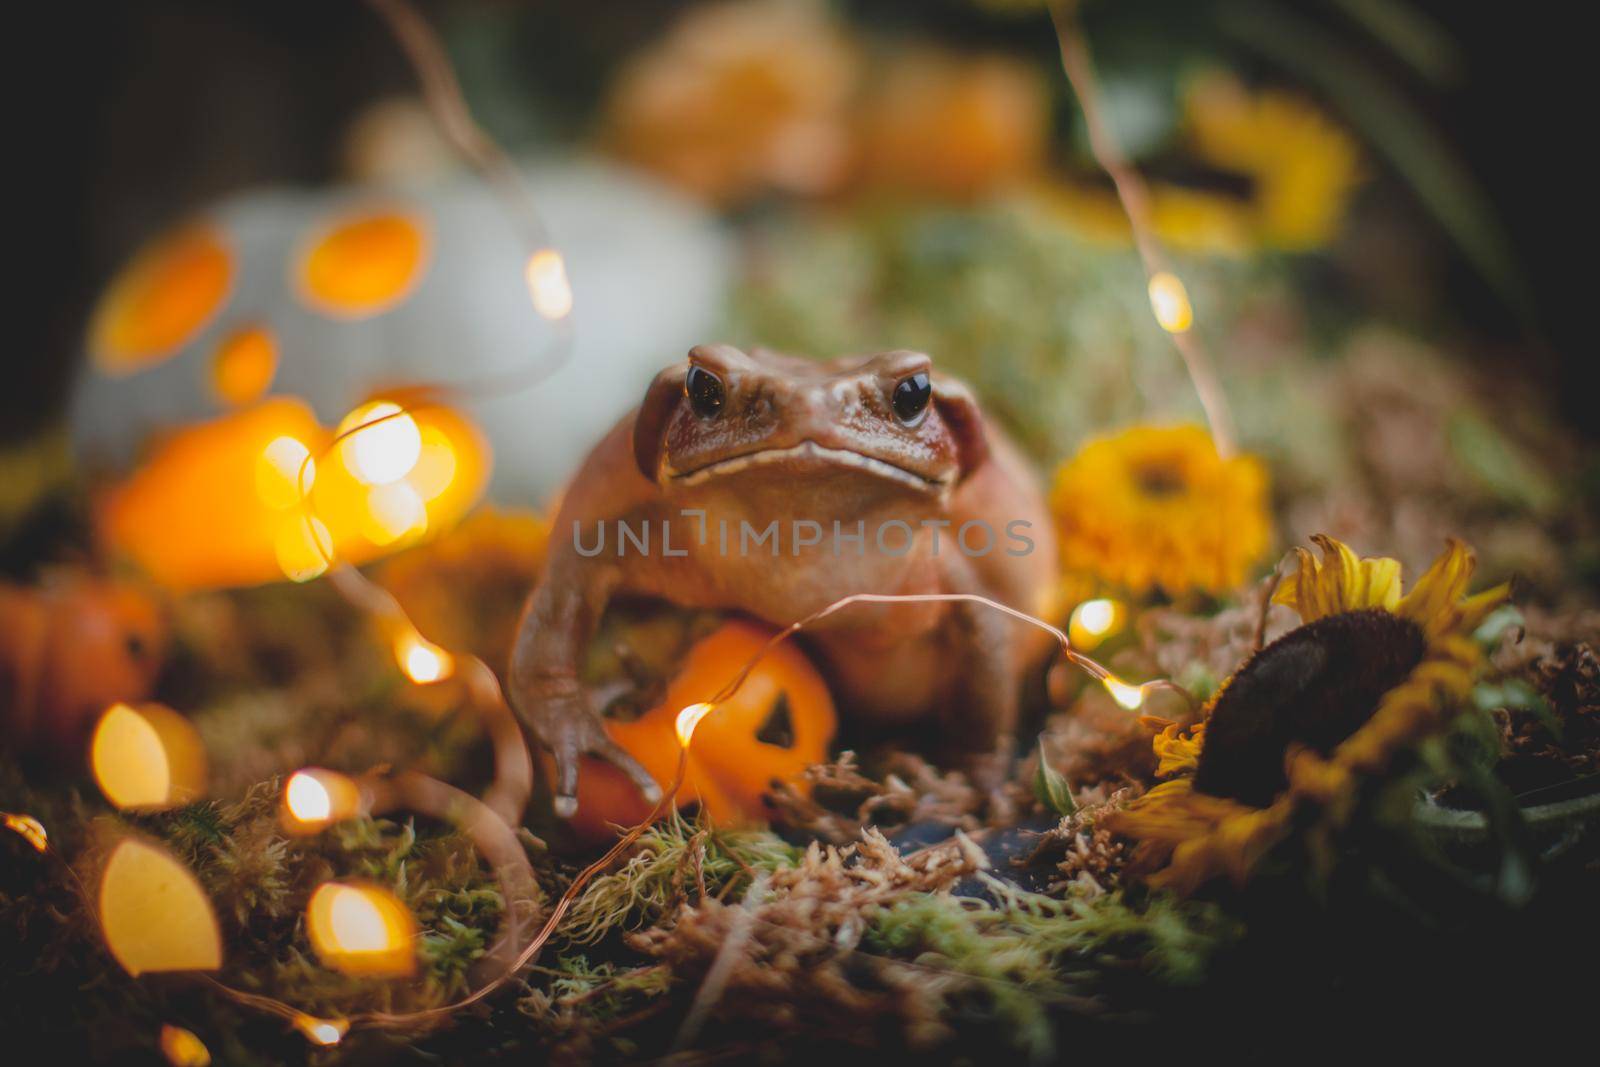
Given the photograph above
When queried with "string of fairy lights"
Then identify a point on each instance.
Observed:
(1169, 298)
(362, 929)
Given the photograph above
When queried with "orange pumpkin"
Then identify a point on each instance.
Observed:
(69, 648)
(779, 723)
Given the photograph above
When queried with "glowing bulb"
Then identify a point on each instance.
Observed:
(314, 798)
(182, 1048)
(362, 930)
(147, 758)
(321, 1031)
(393, 511)
(31, 830)
(384, 451)
(1129, 696)
(689, 718)
(1093, 621)
(547, 284)
(308, 798)
(1170, 301)
(278, 479)
(303, 547)
(421, 659)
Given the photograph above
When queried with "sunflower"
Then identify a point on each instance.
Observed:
(1368, 673)
(1156, 507)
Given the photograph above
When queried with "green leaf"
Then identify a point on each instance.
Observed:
(1496, 624)
(1052, 787)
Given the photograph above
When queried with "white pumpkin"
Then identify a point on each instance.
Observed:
(649, 271)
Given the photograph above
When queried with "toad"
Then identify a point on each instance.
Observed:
(769, 485)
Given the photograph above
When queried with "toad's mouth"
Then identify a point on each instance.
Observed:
(809, 454)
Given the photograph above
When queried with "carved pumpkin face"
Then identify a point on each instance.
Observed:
(779, 722)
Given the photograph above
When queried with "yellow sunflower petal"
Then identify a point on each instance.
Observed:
(1432, 601)
(1176, 750)
(1474, 609)
(1341, 581)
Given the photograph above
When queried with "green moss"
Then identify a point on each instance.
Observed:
(675, 861)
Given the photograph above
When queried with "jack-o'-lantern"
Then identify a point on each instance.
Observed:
(68, 648)
(779, 722)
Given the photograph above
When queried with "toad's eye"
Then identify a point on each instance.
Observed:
(704, 391)
(911, 396)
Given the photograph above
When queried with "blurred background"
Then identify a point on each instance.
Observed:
(1374, 202)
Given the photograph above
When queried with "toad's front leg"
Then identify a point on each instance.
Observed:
(557, 625)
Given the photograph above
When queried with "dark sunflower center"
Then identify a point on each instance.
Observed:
(1159, 479)
(1314, 686)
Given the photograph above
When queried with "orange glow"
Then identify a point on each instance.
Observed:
(321, 1031)
(315, 798)
(147, 757)
(422, 660)
(31, 830)
(154, 914)
(161, 300)
(243, 366)
(218, 504)
(182, 1048)
(363, 264)
(362, 930)
(548, 286)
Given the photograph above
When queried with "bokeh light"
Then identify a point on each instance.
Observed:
(548, 286)
(1170, 302)
(1093, 621)
(315, 798)
(281, 471)
(362, 930)
(303, 547)
(384, 451)
(394, 511)
(183, 1048)
(421, 660)
(154, 914)
(147, 757)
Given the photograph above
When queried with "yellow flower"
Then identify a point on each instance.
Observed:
(1297, 169)
(1189, 220)
(1302, 165)
(1369, 672)
(1156, 507)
